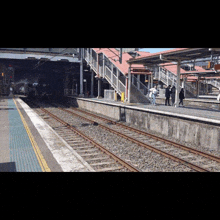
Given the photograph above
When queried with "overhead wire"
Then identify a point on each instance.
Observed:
(39, 62)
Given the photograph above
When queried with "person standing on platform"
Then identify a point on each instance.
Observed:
(181, 96)
(173, 93)
(167, 95)
(153, 92)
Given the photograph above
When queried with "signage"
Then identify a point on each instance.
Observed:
(217, 67)
(141, 70)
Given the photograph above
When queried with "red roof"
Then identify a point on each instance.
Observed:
(173, 68)
(113, 55)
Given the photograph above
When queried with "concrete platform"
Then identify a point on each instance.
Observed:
(28, 144)
(187, 125)
(191, 111)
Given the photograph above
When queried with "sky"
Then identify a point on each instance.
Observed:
(155, 50)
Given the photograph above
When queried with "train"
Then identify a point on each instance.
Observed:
(40, 89)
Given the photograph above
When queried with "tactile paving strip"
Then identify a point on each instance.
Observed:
(21, 150)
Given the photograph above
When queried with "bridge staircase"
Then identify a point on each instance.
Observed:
(214, 83)
(102, 64)
(168, 77)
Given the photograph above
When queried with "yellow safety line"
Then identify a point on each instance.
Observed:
(40, 158)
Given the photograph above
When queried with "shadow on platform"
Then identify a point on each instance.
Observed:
(200, 108)
(8, 109)
(8, 167)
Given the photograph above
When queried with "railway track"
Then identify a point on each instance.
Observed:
(195, 159)
(97, 156)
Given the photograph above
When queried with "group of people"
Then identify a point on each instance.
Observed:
(169, 92)
(172, 92)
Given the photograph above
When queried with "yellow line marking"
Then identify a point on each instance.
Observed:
(40, 158)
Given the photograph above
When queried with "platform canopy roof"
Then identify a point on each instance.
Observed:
(179, 54)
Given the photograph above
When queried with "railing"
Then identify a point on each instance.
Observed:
(139, 85)
(171, 79)
(213, 83)
(190, 88)
(114, 81)
(106, 72)
(89, 59)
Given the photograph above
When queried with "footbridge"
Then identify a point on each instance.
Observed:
(106, 64)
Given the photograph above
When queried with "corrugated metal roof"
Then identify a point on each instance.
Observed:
(113, 55)
(182, 54)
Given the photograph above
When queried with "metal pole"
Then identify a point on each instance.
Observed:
(148, 84)
(126, 88)
(99, 78)
(152, 81)
(99, 88)
(198, 87)
(138, 82)
(92, 84)
(129, 84)
(177, 84)
(117, 79)
(81, 72)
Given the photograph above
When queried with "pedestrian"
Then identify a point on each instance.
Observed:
(167, 95)
(173, 94)
(153, 94)
(181, 96)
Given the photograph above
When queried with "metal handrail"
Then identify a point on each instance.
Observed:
(213, 83)
(172, 80)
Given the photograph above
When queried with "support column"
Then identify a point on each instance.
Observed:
(117, 79)
(99, 88)
(152, 81)
(139, 79)
(129, 84)
(198, 87)
(132, 78)
(126, 88)
(206, 86)
(184, 82)
(159, 78)
(148, 84)
(177, 84)
(92, 84)
(81, 74)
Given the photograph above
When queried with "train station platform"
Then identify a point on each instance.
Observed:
(28, 144)
(201, 109)
(196, 126)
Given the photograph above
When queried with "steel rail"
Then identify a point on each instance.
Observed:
(177, 159)
(116, 158)
(191, 150)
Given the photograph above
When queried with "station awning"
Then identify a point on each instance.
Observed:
(179, 54)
